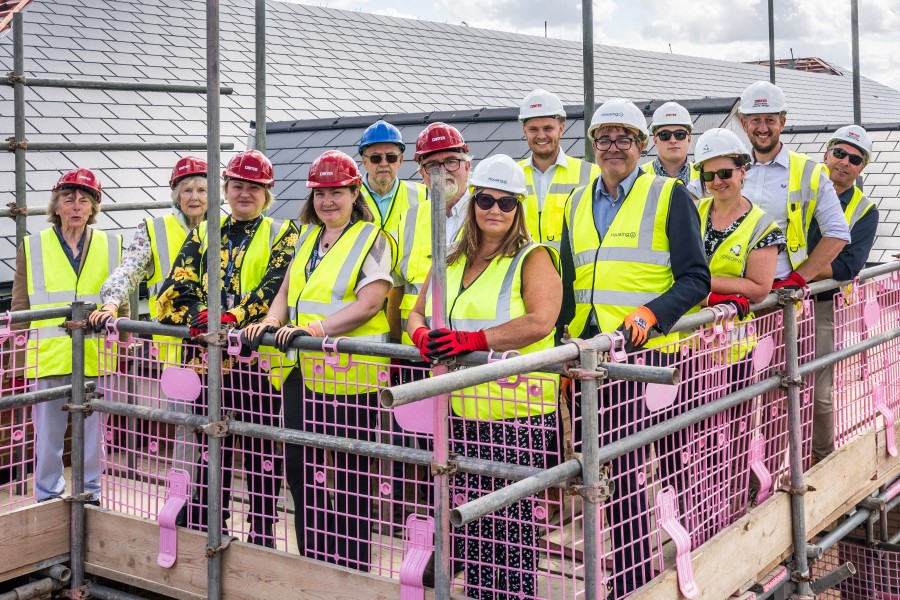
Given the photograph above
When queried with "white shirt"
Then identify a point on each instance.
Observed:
(543, 180)
(457, 218)
(766, 185)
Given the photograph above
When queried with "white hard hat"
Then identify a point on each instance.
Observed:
(762, 97)
(621, 112)
(719, 142)
(541, 103)
(671, 113)
(855, 136)
(499, 172)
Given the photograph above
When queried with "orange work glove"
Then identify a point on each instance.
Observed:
(636, 328)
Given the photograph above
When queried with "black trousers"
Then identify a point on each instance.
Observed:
(337, 532)
(247, 393)
(500, 549)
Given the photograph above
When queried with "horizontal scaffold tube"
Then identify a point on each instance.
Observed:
(118, 146)
(150, 205)
(48, 395)
(83, 84)
(492, 502)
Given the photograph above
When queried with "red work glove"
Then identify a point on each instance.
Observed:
(794, 281)
(446, 342)
(636, 328)
(738, 301)
(420, 339)
(18, 385)
(200, 322)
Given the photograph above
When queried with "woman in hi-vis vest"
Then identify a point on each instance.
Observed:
(255, 253)
(335, 287)
(149, 258)
(503, 292)
(66, 262)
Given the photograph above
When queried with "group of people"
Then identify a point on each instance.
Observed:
(534, 247)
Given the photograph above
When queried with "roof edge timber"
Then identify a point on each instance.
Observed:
(573, 111)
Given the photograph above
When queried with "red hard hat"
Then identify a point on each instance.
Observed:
(437, 137)
(251, 165)
(81, 178)
(333, 169)
(185, 167)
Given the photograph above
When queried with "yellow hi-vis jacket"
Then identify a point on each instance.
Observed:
(695, 173)
(495, 298)
(546, 225)
(631, 265)
(408, 194)
(167, 235)
(858, 206)
(53, 282)
(803, 193)
(330, 288)
(730, 260)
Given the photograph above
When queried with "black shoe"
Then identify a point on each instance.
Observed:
(262, 534)
(93, 503)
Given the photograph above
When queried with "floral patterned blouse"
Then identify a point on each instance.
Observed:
(183, 295)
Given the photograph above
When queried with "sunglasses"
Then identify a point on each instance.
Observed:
(485, 201)
(841, 154)
(665, 136)
(376, 159)
(723, 174)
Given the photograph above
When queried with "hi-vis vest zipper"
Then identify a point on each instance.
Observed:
(52, 282)
(545, 226)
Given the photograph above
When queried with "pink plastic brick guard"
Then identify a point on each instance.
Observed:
(177, 482)
(418, 545)
(667, 515)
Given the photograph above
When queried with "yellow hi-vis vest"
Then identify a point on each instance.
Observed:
(408, 194)
(546, 225)
(414, 246)
(858, 206)
(167, 235)
(495, 298)
(631, 266)
(330, 288)
(53, 282)
(695, 172)
(730, 260)
(803, 193)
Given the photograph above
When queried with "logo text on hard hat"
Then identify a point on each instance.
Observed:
(439, 138)
(249, 168)
(613, 114)
(536, 106)
(853, 134)
(671, 114)
(498, 180)
(323, 173)
(762, 102)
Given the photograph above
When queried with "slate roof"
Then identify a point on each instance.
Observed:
(320, 64)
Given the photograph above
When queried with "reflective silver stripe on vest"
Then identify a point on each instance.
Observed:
(573, 210)
(584, 177)
(639, 255)
(861, 209)
(805, 194)
(648, 219)
(40, 296)
(50, 332)
(412, 193)
(411, 289)
(274, 229)
(161, 247)
(113, 247)
(341, 283)
(765, 220)
(614, 297)
(409, 233)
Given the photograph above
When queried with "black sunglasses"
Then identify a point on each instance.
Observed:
(723, 174)
(841, 154)
(375, 159)
(485, 201)
(680, 135)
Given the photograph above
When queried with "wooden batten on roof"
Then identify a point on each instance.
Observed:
(7, 9)
(810, 65)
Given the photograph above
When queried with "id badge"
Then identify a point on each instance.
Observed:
(230, 301)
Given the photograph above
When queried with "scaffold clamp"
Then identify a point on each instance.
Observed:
(599, 492)
(15, 211)
(448, 468)
(79, 593)
(226, 541)
(12, 144)
(12, 78)
(788, 382)
(87, 409)
(217, 429)
(587, 374)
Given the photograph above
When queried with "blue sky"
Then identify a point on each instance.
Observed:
(712, 28)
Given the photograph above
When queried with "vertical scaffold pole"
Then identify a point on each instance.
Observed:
(854, 48)
(214, 303)
(261, 75)
(587, 50)
(772, 42)
(19, 122)
(442, 569)
(77, 416)
(590, 470)
(793, 382)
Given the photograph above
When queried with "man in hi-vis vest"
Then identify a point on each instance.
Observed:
(633, 261)
(550, 175)
(793, 188)
(849, 151)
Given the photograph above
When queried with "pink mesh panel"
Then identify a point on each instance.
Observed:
(877, 571)
(16, 433)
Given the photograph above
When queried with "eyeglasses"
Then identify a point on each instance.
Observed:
(723, 174)
(666, 135)
(623, 143)
(841, 154)
(376, 159)
(485, 201)
(449, 164)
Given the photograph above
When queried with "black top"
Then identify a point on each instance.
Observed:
(689, 268)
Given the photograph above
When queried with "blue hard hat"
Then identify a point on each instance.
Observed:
(381, 131)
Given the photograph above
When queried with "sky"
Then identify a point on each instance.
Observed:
(720, 29)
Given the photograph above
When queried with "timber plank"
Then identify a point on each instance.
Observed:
(31, 535)
(124, 548)
(762, 538)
